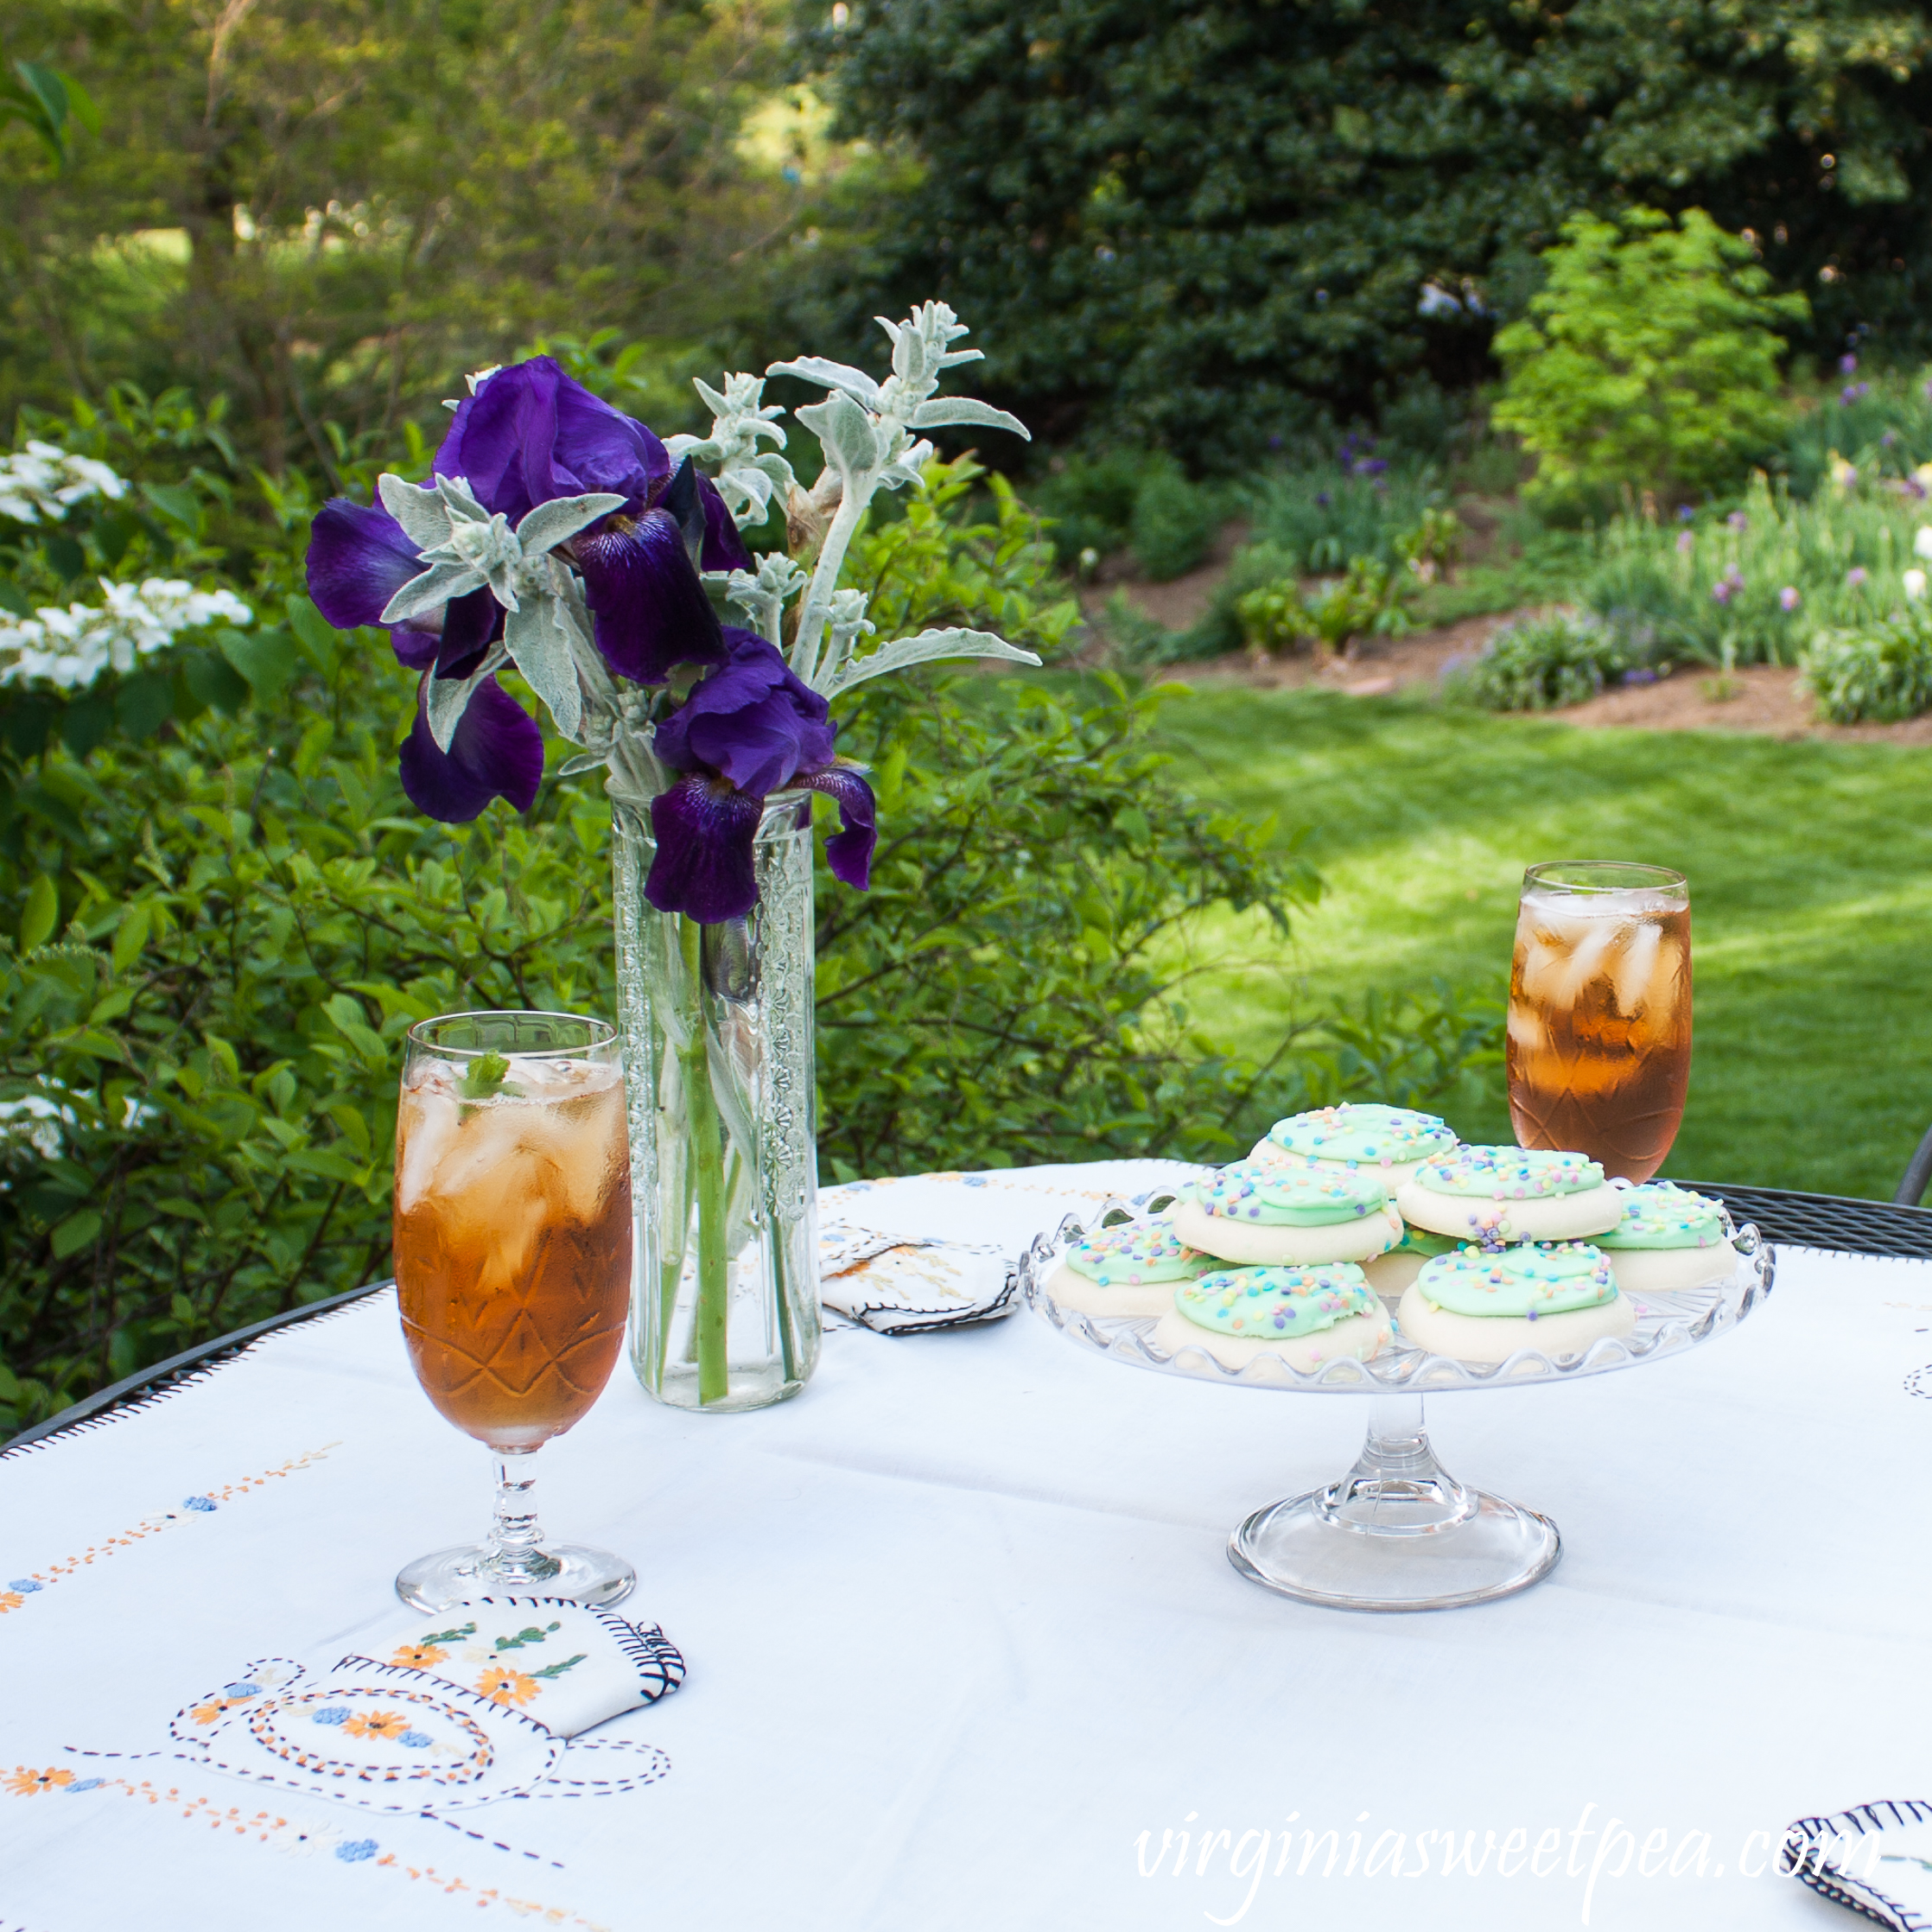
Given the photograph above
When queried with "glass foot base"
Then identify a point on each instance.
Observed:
(1398, 1532)
(590, 1577)
(1298, 1548)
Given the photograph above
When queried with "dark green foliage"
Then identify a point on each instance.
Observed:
(1541, 663)
(1210, 222)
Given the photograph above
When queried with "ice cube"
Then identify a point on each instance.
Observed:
(1527, 1029)
(426, 1129)
(1561, 975)
(1631, 970)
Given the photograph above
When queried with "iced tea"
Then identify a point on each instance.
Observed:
(513, 1240)
(1599, 1035)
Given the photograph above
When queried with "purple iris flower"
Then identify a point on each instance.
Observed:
(359, 558)
(749, 729)
(531, 433)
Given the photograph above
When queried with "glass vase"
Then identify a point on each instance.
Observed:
(716, 1022)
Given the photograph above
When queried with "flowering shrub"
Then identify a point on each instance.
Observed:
(43, 481)
(1759, 581)
(72, 647)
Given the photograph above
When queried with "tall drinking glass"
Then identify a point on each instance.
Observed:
(513, 1269)
(1600, 1013)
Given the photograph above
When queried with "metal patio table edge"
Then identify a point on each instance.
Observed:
(1837, 1222)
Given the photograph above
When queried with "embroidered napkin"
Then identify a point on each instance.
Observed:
(478, 1702)
(569, 1668)
(1876, 1858)
(903, 1285)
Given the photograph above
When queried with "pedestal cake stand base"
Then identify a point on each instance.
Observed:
(1398, 1532)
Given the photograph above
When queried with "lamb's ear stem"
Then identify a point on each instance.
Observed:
(817, 608)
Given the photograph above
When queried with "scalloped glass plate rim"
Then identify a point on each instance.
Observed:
(1668, 1325)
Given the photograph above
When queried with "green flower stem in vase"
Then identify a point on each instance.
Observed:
(717, 1023)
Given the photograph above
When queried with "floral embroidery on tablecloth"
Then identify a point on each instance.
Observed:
(21, 1588)
(301, 1839)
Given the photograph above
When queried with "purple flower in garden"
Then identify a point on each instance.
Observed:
(1789, 599)
(1321, 499)
(1738, 520)
(1642, 675)
(1847, 365)
(1685, 543)
(1685, 513)
(1852, 392)
(1724, 590)
(1889, 439)
(749, 729)
(1855, 575)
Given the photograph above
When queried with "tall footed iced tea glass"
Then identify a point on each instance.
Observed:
(1600, 1013)
(513, 1269)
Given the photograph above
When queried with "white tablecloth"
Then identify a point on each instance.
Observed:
(966, 1652)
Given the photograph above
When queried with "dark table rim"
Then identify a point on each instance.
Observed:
(1834, 1222)
(163, 1377)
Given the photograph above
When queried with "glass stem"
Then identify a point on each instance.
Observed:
(514, 1554)
(708, 1183)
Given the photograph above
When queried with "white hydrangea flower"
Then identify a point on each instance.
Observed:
(70, 648)
(43, 482)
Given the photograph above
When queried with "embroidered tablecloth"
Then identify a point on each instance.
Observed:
(965, 1650)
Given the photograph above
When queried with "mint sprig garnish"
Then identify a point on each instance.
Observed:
(487, 1076)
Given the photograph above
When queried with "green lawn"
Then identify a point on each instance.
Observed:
(1811, 895)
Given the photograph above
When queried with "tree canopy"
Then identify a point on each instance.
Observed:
(326, 209)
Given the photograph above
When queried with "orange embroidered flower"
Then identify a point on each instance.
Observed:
(10, 1600)
(376, 1723)
(503, 1686)
(418, 1656)
(207, 1713)
(24, 1784)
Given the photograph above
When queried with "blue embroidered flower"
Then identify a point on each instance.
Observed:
(416, 1740)
(202, 1504)
(333, 1714)
(87, 1785)
(356, 1850)
(241, 1690)
(26, 1585)
(974, 1180)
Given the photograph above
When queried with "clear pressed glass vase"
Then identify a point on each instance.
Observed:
(717, 1029)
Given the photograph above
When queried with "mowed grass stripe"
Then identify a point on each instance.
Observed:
(1811, 887)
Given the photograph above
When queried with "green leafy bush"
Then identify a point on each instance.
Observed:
(1272, 617)
(1125, 498)
(1880, 675)
(1541, 663)
(1175, 522)
(212, 940)
(1649, 359)
(1089, 502)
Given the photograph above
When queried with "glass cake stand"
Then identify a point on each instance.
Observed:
(1398, 1531)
